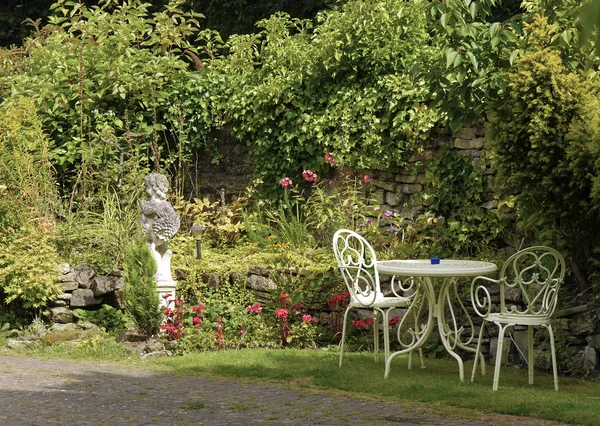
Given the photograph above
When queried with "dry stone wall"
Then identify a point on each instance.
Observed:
(83, 289)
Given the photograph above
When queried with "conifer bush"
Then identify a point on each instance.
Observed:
(141, 297)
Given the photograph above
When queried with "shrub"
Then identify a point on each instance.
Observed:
(141, 297)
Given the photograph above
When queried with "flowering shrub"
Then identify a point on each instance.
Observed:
(337, 305)
(329, 158)
(179, 316)
(296, 328)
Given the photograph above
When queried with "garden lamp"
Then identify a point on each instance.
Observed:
(196, 231)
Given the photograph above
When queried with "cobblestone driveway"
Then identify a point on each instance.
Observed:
(64, 392)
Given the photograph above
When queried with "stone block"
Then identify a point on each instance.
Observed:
(421, 156)
(494, 348)
(260, 283)
(590, 358)
(465, 133)
(394, 199)
(61, 315)
(116, 299)
(82, 274)
(490, 205)
(84, 297)
(404, 178)
(379, 196)
(68, 285)
(593, 340)
(414, 188)
(106, 284)
(387, 185)
(259, 270)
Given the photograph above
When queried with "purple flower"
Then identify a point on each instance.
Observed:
(392, 229)
(388, 213)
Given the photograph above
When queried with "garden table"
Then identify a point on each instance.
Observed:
(448, 272)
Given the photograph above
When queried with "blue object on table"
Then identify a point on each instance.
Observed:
(435, 260)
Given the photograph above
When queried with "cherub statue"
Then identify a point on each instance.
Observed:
(160, 223)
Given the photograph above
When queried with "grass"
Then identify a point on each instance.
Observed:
(437, 386)
(577, 401)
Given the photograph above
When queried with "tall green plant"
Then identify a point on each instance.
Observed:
(141, 298)
(546, 149)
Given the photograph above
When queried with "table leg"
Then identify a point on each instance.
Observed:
(451, 332)
(413, 337)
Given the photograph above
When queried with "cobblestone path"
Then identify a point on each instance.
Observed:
(65, 392)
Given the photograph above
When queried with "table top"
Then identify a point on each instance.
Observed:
(446, 268)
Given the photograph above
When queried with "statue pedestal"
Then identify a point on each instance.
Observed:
(165, 284)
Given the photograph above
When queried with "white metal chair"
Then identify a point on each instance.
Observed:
(528, 283)
(357, 263)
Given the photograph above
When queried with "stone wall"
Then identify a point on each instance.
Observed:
(82, 288)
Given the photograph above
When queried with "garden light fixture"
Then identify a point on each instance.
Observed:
(197, 231)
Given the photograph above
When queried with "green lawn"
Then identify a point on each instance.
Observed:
(577, 401)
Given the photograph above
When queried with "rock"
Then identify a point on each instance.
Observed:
(590, 358)
(63, 268)
(585, 323)
(465, 133)
(116, 299)
(106, 284)
(59, 302)
(61, 315)
(414, 188)
(84, 297)
(593, 340)
(16, 344)
(65, 296)
(394, 199)
(260, 283)
(259, 270)
(116, 272)
(406, 178)
(82, 274)
(68, 285)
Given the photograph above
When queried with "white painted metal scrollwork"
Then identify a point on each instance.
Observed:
(528, 293)
(357, 263)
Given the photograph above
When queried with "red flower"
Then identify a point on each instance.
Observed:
(360, 324)
(281, 313)
(196, 321)
(180, 119)
(307, 318)
(394, 320)
(369, 321)
(367, 179)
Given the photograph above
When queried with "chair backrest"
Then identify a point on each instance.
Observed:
(358, 265)
(531, 278)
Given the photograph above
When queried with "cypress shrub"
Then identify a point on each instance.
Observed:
(141, 297)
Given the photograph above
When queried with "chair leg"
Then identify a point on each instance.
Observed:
(478, 353)
(376, 335)
(553, 349)
(530, 353)
(499, 355)
(386, 335)
(343, 334)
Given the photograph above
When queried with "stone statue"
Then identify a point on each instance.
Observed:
(160, 223)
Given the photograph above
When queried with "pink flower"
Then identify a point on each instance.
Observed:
(284, 297)
(394, 320)
(329, 158)
(367, 179)
(309, 176)
(306, 318)
(196, 321)
(286, 182)
(255, 309)
(180, 119)
(369, 321)
(281, 313)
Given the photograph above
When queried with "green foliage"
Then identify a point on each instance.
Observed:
(546, 147)
(141, 297)
(457, 223)
(107, 317)
(28, 267)
(369, 108)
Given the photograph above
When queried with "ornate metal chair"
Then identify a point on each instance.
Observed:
(357, 263)
(528, 284)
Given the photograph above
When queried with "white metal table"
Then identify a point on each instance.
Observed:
(449, 271)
